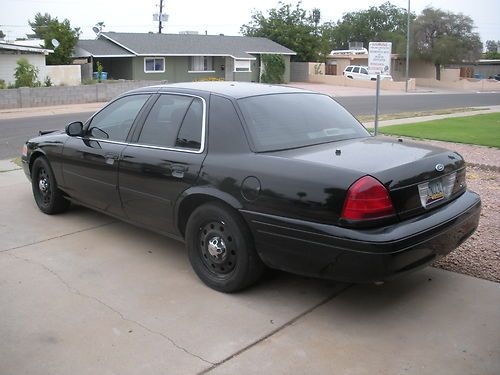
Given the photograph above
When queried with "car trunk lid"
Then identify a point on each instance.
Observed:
(418, 177)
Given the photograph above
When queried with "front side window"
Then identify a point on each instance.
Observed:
(154, 64)
(282, 121)
(174, 121)
(242, 65)
(114, 121)
(364, 71)
(201, 64)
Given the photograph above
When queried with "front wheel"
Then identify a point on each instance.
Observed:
(220, 248)
(48, 197)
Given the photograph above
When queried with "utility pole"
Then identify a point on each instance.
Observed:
(407, 47)
(160, 16)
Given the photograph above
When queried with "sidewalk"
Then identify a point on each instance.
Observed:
(49, 111)
(411, 120)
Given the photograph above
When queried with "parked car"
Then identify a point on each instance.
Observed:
(252, 175)
(361, 72)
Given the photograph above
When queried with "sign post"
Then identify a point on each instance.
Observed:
(379, 62)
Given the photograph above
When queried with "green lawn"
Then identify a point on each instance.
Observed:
(478, 129)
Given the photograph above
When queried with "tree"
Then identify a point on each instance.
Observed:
(492, 49)
(48, 28)
(492, 46)
(443, 37)
(288, 25)
(386, 23)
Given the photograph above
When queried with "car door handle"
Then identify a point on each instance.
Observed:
(110, 157)
(178, 170)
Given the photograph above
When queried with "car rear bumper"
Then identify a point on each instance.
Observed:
(366, 255)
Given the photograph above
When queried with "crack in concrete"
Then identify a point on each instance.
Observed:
(56, 237)
(123, 317)
(275, 331)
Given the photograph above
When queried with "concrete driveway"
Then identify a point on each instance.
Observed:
(81, 293)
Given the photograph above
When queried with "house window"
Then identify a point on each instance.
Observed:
(154, 65)
(242, 65)
(201, 64)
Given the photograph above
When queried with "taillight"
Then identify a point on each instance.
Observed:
(367, 199)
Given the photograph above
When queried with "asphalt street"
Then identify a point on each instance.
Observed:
(14, 132)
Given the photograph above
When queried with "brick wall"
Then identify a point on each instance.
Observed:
(25, 97)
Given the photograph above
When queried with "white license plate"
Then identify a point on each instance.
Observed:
(431, 192)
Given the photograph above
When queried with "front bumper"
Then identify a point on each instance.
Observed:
(363, 255)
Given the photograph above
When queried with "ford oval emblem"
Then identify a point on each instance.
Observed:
(439, 167)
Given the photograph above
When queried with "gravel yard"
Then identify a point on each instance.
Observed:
(479, 256)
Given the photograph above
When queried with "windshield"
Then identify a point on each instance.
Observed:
(281, 121)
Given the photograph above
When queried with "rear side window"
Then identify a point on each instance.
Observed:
(281, 121)
(164, 120)
(348, 69)
(364, 71)
(189, 135)
(356, 70)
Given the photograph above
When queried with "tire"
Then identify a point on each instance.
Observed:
(48, 197)
(220, 248)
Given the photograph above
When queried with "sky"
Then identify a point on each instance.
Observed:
(214, 16)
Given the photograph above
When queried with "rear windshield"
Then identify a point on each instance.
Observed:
(281, 121)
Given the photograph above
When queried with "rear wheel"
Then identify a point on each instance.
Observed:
(48, 197)
(220, 248)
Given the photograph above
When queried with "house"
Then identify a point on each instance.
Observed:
(180, 57)
(10, 53)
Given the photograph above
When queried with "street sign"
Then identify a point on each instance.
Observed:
(379, 57)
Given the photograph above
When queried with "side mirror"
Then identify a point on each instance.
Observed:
(74, 129)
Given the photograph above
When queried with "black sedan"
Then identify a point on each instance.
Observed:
(252, 175)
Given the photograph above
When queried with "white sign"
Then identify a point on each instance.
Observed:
(379, 57)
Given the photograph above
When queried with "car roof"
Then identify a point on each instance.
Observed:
(235, 90)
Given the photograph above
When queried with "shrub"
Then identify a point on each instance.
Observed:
(274, 69)
(47, 82)
(3, 85)
(26, 74)
(99, 71)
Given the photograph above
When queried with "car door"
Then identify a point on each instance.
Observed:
(355, 72)
(163, 160)
(90, 162)
(364, 73)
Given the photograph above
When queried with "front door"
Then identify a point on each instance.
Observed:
(90, 168)
(164, 160)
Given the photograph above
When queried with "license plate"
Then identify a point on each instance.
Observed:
(431, 192)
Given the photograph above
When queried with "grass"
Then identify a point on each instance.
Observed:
(397, 116)
(481, 130)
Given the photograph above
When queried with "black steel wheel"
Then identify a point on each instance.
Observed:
(48, 197)
(220, 248)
